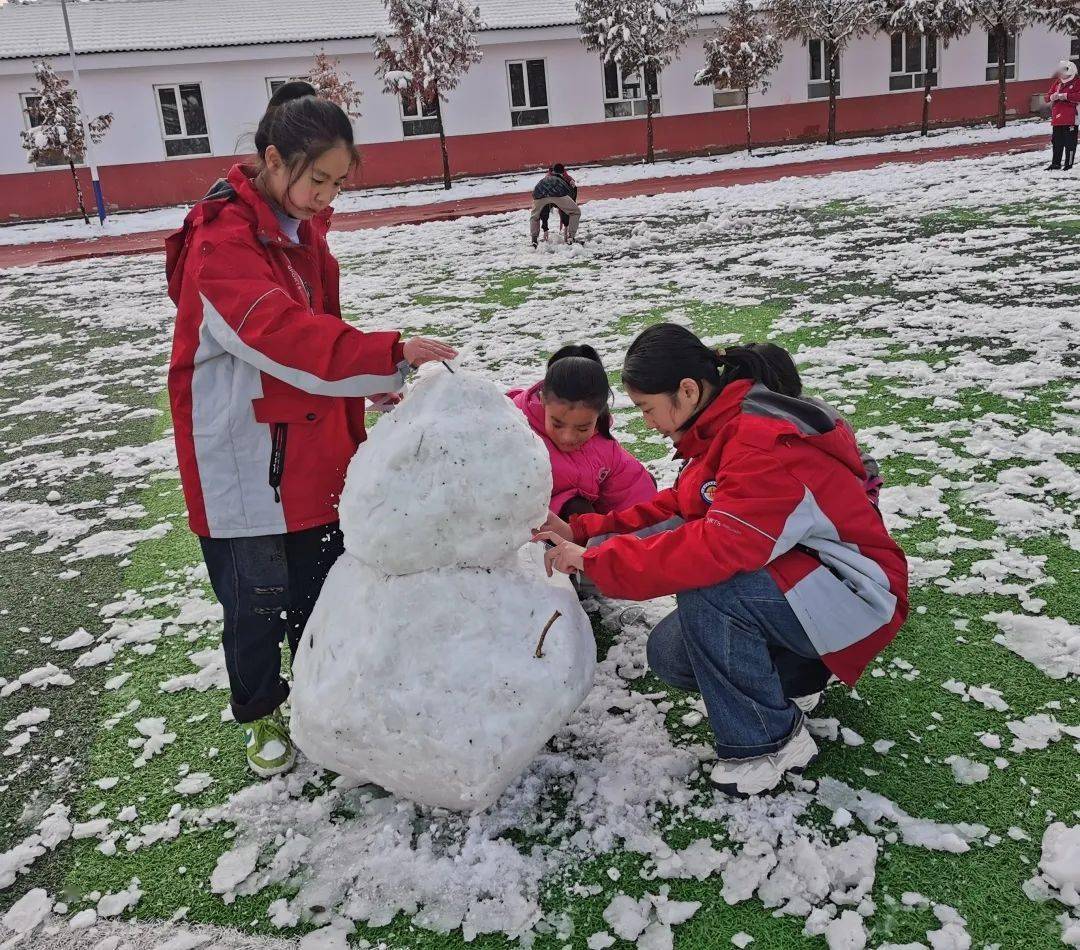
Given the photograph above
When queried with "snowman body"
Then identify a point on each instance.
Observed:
(417, 669)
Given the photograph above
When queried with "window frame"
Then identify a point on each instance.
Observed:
(739, 96)
(25, 110)
(918, 77)
(165, 136)
(819, 88)
(1074, 49)
(270, 80)
(528, 107)
(635, 112)
(419, 117)
(1010, 64)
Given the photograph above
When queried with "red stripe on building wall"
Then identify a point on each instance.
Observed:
(43, 194)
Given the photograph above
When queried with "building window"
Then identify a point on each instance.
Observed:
(274, 83)
(183, 119)
(528, 92)
(818, 87)
(913, 56)
(992, 56)
(1074, 50)
(624, 93)
(418, 117)
(31, 120)
(728, 98)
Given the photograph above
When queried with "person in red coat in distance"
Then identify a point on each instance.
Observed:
(267, 386)
(1064, 96)
(783, 570)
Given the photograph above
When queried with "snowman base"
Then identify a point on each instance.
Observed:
(429, 685)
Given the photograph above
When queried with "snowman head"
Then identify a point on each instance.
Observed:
(1066, 71)
(453, 477)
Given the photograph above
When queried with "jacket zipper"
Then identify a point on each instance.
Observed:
(277, 457)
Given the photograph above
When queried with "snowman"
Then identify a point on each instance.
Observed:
(440, 658)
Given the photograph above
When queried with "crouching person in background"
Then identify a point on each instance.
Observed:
(783, 571)
(558, 189)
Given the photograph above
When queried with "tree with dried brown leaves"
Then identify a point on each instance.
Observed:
(58, 133)
(333, 83)
(741, 55)
(432, 47)
(835, 23)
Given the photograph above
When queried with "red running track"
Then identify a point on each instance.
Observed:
(146, 242)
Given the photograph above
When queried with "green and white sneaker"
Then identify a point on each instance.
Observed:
(269, 749)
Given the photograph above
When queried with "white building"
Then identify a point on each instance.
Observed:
(187, 80)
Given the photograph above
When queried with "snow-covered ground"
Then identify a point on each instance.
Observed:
(934, 304)
(370, 199)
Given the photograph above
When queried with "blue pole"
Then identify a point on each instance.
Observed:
(99, 198)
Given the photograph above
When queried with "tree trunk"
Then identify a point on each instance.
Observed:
(930, 39)
(78, 192)
(746, 91)
(650, 155)
(1003, 42)
(442, 143)
(830, 58)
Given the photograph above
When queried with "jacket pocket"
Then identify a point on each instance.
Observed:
(279, 413)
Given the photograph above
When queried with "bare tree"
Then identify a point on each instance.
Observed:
(835, 23)
(335, 84)
(932, 20)
(57, 132)
(742, 55)
(433, 46)
(1002, 19)
(640, 36)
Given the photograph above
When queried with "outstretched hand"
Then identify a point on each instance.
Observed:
(562, 555)
(556, 525)
(420, 350)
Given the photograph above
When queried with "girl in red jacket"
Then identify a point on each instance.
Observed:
(1064, 97)
(267, 386)
(782, 568)
(568, 409)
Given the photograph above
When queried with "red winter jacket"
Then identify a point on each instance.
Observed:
(776, 482)
(1063, 112)
(266, 381)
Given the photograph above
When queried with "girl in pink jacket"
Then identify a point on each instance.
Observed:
(568, 409)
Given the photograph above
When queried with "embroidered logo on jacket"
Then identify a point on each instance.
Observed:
(708, 491)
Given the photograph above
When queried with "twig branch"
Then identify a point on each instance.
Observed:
(547, 626)
(447, 365)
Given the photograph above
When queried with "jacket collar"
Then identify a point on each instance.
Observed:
(724, 407)
(268, 230)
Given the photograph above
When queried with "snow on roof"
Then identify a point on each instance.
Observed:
(110, 26)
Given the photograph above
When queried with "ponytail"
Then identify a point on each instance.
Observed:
(575, 374)
(664, 355)
(302, 125)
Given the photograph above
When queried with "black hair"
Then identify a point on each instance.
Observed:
(558, 169)
(575, 374)
(787, 380)
(664, 355)
(302, 125)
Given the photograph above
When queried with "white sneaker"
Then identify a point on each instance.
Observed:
(808, 703)
(764, 772)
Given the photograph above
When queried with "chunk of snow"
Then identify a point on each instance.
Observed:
(28, 912)
(626, 916)
(967, 772)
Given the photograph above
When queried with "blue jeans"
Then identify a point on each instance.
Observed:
(741, 646)
(267, 586)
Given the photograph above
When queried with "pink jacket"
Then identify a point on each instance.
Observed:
(601, 470)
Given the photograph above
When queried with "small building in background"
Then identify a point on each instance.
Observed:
(187, 80)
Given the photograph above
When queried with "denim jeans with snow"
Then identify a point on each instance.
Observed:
(267, 586)
(741, 646)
